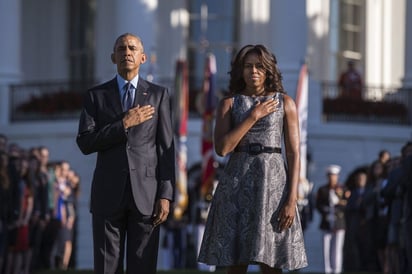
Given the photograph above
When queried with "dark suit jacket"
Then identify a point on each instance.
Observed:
(407, 188)
(145, 151)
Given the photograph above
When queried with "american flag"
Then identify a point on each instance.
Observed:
(209, 90)
(181, 107)
(302, 106)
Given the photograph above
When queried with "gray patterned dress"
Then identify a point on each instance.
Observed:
(242, 226)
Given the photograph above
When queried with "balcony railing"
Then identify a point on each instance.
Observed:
(63, 100)
(60, 100)
(377, 105)
(47, 101)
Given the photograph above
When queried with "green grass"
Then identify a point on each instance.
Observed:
(187, 271)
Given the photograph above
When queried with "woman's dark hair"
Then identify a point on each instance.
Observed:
(273, 76)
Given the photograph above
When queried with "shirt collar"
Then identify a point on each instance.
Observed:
(121, 82)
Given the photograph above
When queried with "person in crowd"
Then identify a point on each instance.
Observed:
(305, 202)
(350, 82)
(59, 214)
(331, 202)
(70, 194)
(3, 143)
(253, 218)
(127, 121)
(40, 216)
(384, 156)
(15, 158)
(406, 184)
(19, 255)
(5, 204)
(392, 193)
(350, 182)
(47, 256)
(355, 243)
(65, 214)
(376, 214)
(44, 177)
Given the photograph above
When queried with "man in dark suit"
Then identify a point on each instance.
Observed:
(133, 182)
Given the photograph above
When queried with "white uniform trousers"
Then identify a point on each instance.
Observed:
(333, 251)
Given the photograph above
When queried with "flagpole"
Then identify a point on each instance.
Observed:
(302, 107)
(209, 86)
(305, 187)
(208, 162)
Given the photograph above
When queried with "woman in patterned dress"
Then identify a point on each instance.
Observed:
(253, 217)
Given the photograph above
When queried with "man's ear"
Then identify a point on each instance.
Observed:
(143, 59)
(113, 57)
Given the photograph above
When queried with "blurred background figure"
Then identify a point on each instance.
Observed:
(5, 203)
(376, 214)
(355, 248)
(407, 206)
(384, 156)
(3, 143)
(305, 202)
(331, 202)
(350, 82)
(392, 193)
(19, 252)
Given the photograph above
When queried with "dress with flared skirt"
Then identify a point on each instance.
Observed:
(242, 226)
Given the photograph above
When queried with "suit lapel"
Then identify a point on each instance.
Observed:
(113, 96)
(142, 94)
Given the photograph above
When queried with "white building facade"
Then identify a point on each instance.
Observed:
(60, 41)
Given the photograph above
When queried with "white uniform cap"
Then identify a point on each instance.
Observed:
(333, 169)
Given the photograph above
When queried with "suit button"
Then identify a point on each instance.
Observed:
(128, 147)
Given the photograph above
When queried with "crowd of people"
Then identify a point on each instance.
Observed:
(366, 220)
(37, 211)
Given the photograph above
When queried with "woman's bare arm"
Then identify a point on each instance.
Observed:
(227, 138)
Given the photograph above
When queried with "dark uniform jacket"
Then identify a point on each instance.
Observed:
(335, 221)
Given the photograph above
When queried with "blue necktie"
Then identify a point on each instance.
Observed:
(128, 96)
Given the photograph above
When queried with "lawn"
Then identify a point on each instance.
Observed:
(187, 271)
(160, 272)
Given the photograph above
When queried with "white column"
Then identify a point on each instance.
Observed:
(255, 20)
(10, 65)
(10, 31)
(407, 80)
(288, 33)
(114, 18)
(172, 38)
(331, 70)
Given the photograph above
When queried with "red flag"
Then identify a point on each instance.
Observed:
(302, 106)
(181, 103)
(209, 90)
